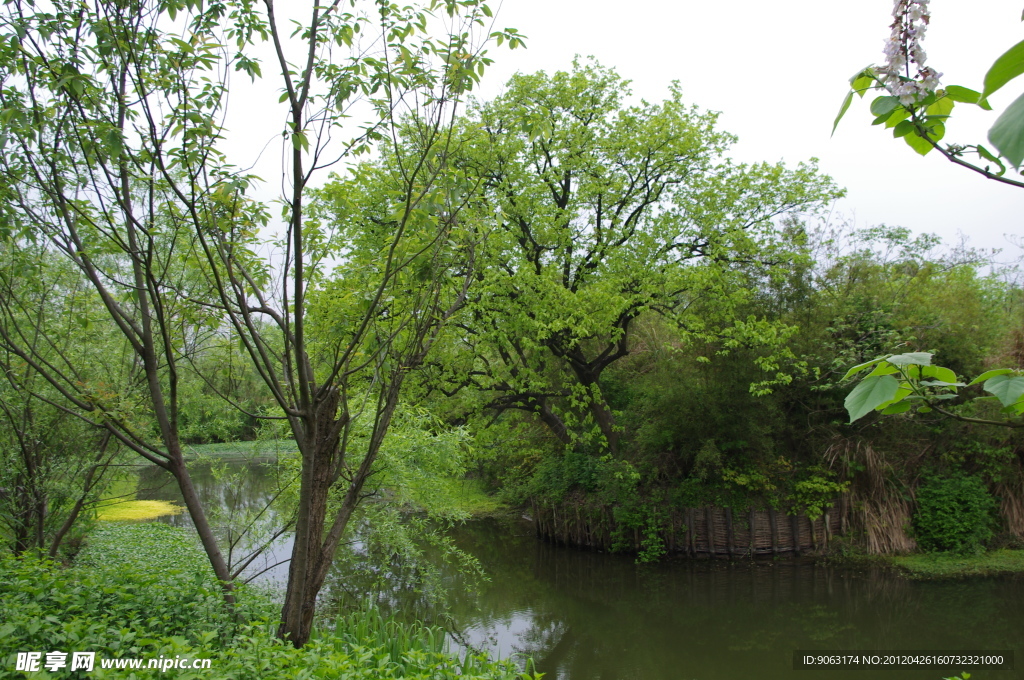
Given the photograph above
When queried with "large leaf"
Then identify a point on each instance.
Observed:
(941, 107)
(1004, 69)
(918, 143)
(990, 374)
(967, 96)
(940, 373)
(862, 83)
(842, 110)
(860, 367)
(869, 394)
(883, 105)
(903, 392)
(1007, 134)
(1006, 388)
(885, 368)
(898, 407)
(919, 358)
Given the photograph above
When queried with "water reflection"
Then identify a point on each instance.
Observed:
(238, 494)
(585, 616)
(589, 615)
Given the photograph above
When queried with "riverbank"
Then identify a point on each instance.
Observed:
(940, 565)
(929, 566)
(123, 600)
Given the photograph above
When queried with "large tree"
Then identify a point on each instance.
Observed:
(112, 153)
(598, 212)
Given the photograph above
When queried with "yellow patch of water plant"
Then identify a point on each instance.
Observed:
(136, 511)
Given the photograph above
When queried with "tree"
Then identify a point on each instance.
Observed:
(597, 212)
(52, 465)
(917, 109)
(111, 150)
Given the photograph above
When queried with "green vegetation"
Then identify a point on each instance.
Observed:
(471, 496)
(937, 565)
(954, 514)
(145, 590)
(553, 300)
(259, 447)
(135, 511)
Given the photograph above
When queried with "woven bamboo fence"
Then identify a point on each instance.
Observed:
(694, 531)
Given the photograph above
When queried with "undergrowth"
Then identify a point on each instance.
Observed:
(145, 590)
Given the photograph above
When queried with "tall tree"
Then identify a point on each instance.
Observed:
(112, 152)
(599, 212)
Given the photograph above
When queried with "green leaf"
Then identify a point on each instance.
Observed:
(902, 393)
(884, 368)
(881, 119)
(919, 358)
(902, 129)
(898, 407)
(918, 143)
(860, 367)
(991, 374)
(943, 106)
(1007, 389)
(987, 155)
(869, 394)
(862, 83)
(883, 105)
(939, 373)
(966, 95)
(924, 409)
(936, 130)
(1004, 69)
(1007, 135)
(842, 110)
(897, 117)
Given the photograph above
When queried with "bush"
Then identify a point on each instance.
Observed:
(953, 514)
(144, 591)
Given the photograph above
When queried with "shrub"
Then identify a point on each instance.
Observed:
(144, 591)
(953, 514)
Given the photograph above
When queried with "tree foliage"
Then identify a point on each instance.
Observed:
(112, 155)
(598, 212)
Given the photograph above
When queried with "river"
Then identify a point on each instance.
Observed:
(593, 616)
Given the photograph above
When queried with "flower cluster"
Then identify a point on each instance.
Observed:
(903, 49)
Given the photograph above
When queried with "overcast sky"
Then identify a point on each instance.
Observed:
(777, 72)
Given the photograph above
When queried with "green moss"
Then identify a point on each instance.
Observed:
(136, 511)
(945, 565)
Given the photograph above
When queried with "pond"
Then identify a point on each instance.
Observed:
(592, 616)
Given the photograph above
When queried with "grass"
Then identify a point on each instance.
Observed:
(136, 511)
(470, 496)
(267, 447)
(944, 565)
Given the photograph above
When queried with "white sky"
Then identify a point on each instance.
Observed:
(778, 72)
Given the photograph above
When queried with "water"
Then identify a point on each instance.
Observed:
(591, 616)
(597, 616)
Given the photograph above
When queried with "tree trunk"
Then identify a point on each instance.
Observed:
(195, 510)
(313, 551)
